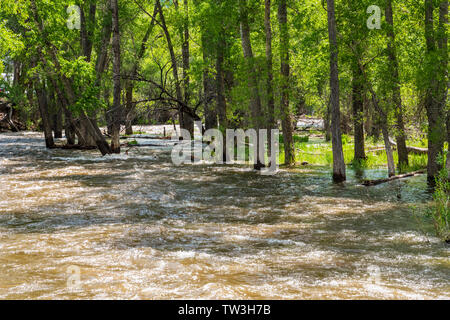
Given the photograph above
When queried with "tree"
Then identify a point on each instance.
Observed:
(443, 46)
(255, 99)
(286, 119)
(358, 92)
(339, 174)
(395, 83)
(436, 83)
(269, 62)
(115, 139)
(179, 95)
(134, 73)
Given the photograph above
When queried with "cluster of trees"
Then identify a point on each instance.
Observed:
(232, 63)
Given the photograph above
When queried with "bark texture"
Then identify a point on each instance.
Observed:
(339, 170)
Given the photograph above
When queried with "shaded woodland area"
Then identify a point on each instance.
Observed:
(76, 66)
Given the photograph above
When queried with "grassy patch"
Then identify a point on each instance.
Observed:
(133, 143)
(316, 151)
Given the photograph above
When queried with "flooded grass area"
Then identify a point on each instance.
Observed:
(138, 227)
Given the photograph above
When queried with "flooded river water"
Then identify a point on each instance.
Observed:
(134, 226)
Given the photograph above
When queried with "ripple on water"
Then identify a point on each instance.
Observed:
(138, 227)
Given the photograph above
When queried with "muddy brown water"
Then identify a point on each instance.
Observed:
(136, 227)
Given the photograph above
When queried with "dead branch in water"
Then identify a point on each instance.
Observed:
(370, 183)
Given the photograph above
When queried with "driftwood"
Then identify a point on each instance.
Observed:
(370, 183)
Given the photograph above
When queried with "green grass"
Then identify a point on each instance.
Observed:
(316, 151)
(133, 143)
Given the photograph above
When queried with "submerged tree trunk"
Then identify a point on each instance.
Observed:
(43, 108)
(255, 98)
(433, 103)
(396, 95)
(116, 113)
(58, 123)
(286, 119)
(69, 132)
(56, 114)
(358, 112)
(339, 170)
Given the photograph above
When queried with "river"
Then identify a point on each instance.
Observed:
(74, 225)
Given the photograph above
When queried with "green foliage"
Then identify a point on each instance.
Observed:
(133, 143)
(345, 139)
(440, 210)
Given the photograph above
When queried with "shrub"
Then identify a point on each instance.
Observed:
(440, 211)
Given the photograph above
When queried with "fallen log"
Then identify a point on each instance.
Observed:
(414, 150)
(371, 183)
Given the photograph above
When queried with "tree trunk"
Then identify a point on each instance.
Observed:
(255, 99)
(86, 33)
(328, 122)
(387, 144)
(208, 85)
(43, 108)
(115, 139)
(220, 84)
(269, 62)
(58, 123)
(69, 132)
(173, 59)
(129, 108)
(286, 118)
(339, 174)
(448, 148)
(443, 47)
(130, 86)
(396, 95)
(358, 112)
(433, 104)
(188, 122)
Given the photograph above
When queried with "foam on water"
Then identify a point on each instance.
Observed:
(139, 227)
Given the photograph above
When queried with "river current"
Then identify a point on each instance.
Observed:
(74, 225)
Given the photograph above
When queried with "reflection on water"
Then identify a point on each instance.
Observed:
(138, 227)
